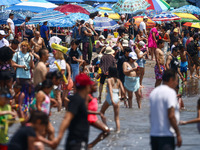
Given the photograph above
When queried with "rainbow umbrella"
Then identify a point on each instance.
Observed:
(185, 17)
(130, 6)
(139, 19)
(166, 16)
(194, 24)
(112, 14)
(158, 5)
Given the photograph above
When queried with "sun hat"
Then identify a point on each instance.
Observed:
(109, 50)
(125, 43)
(2, 32)
(176, 30)
(133, 55)
(141, 43)
(145, 17)
(82, 80)
(101, 36)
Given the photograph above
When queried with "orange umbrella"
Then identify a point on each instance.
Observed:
(139, 19)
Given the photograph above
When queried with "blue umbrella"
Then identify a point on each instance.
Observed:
(9, 2)
(88, 7)
(102, 0)
(46, 16)
(188, 9)
(104, 5)
(33, 6)
(101, 23)
(63, 1)
(61, 22)
(18, 19)
(73, 17)
(24, 13)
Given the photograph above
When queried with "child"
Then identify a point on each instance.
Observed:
(92, 117)
(196, 120)
(25, 137)
(112, 98)
(184, 63)
(5, 114)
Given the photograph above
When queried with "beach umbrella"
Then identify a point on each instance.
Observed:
(130, 6)
(64, 1)
(23, 12)
(166, 16)
(73, 17)
(33, 6)
(18, 18)
(185, 17)
(102, 23)
(178, 3)
(104, 6)
(61, 22)
(9, 2)
(72, 8)
(46, 16)
(101, 1)
(158, 5)
(188, 9)
(192, 24)
(139, 19)
(111, 14)
(88, 7)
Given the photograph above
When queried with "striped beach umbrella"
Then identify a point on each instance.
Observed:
(166, 16)
(188, 9)
(192, 24)
(9, 2)
(33, 6)
(158, 5)
(102, 23)
(185, 17)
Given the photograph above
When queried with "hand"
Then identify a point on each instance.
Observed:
(182, 122)
(96, 33)
(47, 39)
(53, 144)
(14, 114)
(160, 71)
(74, 58)
(23, 67)
(179, 141)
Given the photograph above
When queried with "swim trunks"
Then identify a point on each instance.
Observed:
(157, 73)
(184, 66)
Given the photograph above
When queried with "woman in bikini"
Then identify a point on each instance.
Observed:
(112, 98)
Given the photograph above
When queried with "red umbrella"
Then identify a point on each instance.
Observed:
(72, 8)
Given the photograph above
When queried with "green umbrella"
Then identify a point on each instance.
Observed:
(178, 3)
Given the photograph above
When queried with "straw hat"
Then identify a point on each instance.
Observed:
(109, 50)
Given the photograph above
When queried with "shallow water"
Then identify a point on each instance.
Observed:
(135, 124)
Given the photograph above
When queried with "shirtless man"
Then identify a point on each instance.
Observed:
(160, 62)
(132, 80)
(37, 42)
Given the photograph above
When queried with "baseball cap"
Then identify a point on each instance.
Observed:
(106, 14)
(125, 43)
(133, 55)
(145, 17)
(82, 80)
(141, 43)
(2, 32)
(101, 36)
(176, 30)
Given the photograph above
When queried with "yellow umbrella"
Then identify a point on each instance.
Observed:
(186, 17)
(194, 24)
(114, 16)
(105, 8)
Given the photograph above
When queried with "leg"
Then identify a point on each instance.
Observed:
(103, 109)
(39, 146)
(58, 98)
(116, 116)
(138, 97)
(141, 76)
(50, 131)
(99, 125)
(130, 97)
(64, 98)
(100, 92)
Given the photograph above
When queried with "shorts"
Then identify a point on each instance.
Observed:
(103, 78)
(184, 66)
(5, 75)
(196, 60)
(3, 147)
(162, 143)
(74, 145)
(92, 118)
(157, 73)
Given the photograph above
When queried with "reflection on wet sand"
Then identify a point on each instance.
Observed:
(190, 88)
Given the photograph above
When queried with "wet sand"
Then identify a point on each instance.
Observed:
(135, 124)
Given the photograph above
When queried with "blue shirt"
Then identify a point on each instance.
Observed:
(184, 40)
(22, 59)
(43, 28)
(75, 34)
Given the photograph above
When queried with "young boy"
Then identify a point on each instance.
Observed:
(184, 63)
(5, 114)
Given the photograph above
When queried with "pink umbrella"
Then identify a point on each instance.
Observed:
(72, 8)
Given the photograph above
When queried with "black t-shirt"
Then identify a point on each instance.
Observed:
(121, 58)
(72, 54)
(20, 139)
(174, 64)
(79, 126)
(173, 38)
(192, 48)
(84, 37)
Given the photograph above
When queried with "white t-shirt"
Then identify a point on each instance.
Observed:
(53, 67)
(172, 47)
(4, 42)
(90, 21)
(11, 24)
(162, 98)
(142, 26)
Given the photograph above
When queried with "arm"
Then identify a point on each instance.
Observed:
(14, 64)
(39, 99)
(91, 27)
(127, 71)
(173, 122)
(31, 141)
(43, 44)
(21, 98)
(9, 24)
(68, 71)
(110, 91)
(87, 34)
(46, 33)
(31, 63)
(122, 88)
(169, 58)
(2, 113)
(154, 36)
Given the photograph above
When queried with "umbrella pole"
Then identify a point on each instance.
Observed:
(56, 30)
(180, 26)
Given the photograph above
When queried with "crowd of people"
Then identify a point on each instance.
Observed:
(36, 76)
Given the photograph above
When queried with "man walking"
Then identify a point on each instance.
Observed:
(164, 114)
(142, 26)
(11, 25)
(44, 32)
